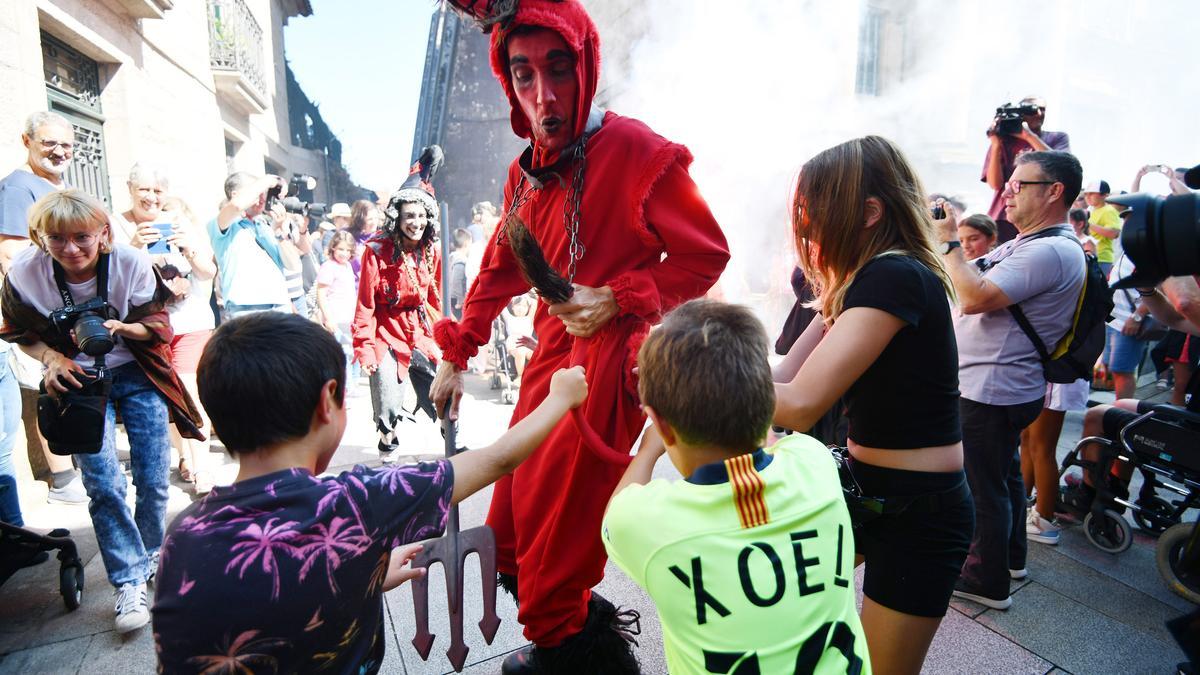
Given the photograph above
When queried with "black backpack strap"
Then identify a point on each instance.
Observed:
(1015, 308)
(1023, 322)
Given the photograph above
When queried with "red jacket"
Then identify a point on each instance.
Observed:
(390, 306)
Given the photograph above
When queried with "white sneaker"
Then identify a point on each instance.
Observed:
(132, 610)
(71, 493)
(1017, 575)
(1041, 530)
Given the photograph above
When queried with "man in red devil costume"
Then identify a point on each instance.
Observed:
(612, 207)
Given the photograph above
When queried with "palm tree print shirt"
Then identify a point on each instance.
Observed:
(284, 572)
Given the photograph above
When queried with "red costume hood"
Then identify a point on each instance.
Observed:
(569, 19)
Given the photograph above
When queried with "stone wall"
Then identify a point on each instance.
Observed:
(159, 100)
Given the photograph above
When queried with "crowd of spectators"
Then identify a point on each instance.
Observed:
(248, 255)
(958, 308)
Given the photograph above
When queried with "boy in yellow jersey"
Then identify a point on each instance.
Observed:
(1104, 224)
(750, 558)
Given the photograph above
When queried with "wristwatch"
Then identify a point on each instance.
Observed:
(948, 246)
(1137, 318)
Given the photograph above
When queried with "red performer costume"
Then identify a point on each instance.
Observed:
(643, 232)
(398, 299)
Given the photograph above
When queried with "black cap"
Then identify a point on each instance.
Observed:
(1192, 177)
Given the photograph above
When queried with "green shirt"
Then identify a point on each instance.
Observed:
(1105, 216)
(749, 561)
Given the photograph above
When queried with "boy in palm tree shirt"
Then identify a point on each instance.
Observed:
(284, 570)
(750, 558)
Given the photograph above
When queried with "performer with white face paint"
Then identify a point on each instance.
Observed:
(399, 300)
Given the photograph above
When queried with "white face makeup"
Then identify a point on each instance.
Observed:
(412, 221)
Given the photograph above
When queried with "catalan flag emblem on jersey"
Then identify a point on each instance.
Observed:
(748, 491)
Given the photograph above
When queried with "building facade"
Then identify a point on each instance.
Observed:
(198, 87)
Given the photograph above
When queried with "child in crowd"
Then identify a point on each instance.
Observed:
(337, 293)
(458, 271)
(518, 327)
(285, 569)
(750, 558)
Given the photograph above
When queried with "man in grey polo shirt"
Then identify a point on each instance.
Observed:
(1000, 373)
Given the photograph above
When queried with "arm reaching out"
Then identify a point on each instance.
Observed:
(476, 469)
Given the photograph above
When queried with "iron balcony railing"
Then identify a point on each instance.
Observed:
(235, 40)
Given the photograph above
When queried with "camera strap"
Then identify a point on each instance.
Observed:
(60, 280)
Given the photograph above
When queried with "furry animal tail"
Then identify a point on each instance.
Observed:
(549, 284)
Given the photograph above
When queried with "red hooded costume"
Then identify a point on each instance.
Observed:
(650, 237)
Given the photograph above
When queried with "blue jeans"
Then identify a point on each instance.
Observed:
(10, 423)
(346, 340)
(991, 436)
(128, 539)
(1122, 353)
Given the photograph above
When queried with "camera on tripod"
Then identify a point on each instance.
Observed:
(299, 199)
(87, 320)
(1010, 118)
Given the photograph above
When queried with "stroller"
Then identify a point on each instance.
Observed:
(503, 367)
(18, 545)
(1163, 445)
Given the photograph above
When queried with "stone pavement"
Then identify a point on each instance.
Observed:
(1080, 610)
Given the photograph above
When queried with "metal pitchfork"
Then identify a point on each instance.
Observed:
(452, 549)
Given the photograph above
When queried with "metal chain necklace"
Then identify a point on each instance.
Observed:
(572, 210)
(572, 207)
(411, 263)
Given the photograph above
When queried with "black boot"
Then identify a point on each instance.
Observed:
(603, 647)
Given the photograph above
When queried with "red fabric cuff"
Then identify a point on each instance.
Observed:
(636, 293)
(457, 345)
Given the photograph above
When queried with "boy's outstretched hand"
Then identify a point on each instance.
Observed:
(398, 570)
(570, 385)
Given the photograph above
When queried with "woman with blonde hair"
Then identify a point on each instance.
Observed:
(73, 254)
(885, 342)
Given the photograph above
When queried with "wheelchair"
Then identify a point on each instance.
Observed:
(1163, 445)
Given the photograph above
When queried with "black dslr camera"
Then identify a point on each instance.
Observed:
(1161, 236)
(299, 190)
(87, 320)
(1009, 118)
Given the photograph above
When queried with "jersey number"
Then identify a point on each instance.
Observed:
(746, 663)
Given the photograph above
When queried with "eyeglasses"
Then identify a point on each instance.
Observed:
(49, 146)
(81, 240)
(1014, 185)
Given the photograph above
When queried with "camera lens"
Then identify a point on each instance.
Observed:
(1161, 236)
(91, 336)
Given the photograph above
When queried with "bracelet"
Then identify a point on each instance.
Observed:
(1147, 293)
(42, 359)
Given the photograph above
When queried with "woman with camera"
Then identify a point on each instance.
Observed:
(399, 300)
(885, 341)
(183, 256)
(92, 312)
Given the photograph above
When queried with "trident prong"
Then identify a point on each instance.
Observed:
(451, 550)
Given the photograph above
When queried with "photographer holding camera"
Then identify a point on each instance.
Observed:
(247, 252)
(92, 312)
(1015, 130)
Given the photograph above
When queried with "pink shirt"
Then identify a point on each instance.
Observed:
(341, 293)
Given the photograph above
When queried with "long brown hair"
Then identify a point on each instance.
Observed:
(358, 216)
(828, 216)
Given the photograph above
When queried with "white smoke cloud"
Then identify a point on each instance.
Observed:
(755, 88)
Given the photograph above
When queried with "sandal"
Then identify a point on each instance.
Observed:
(185, 474)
